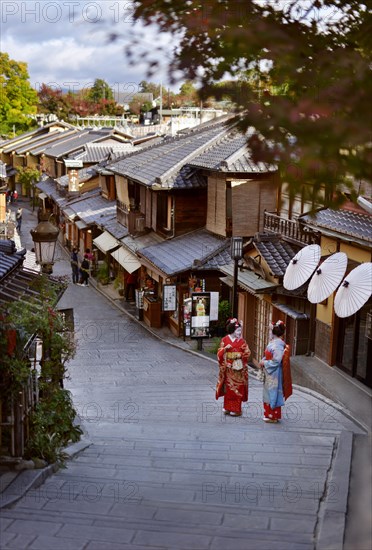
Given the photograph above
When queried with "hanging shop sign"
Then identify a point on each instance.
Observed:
(169, 297)
(73, 181)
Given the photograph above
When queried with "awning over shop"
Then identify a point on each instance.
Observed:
(69, 213)
(247, 280)
(290, 311)
(106, 242)
(126, 259)
(80, 224)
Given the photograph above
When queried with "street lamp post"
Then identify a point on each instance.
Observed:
(45, 237)
(236, 254)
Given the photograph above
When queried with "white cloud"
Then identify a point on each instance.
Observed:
(66, 42)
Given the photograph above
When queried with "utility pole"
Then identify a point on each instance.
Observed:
(161, 103)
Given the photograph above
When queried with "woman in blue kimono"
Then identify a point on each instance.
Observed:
(277, 385)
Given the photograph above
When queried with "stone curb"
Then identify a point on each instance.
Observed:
(333, 510)
(31, 479)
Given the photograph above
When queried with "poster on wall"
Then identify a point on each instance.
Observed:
(200, 314)
(169, 297)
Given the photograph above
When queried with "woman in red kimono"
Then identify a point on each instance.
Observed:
(233, 355)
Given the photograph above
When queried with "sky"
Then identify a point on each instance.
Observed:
(66, 44)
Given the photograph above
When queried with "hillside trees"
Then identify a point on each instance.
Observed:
(17, 97)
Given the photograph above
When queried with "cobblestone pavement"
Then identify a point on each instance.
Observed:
(165, 469)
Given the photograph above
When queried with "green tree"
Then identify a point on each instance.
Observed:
(100, 90)
(52, 422)
(188, 93)
(315, 112)
(28, 177)
(18, 98)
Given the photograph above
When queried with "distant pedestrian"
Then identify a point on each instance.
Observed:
(84, 271)
(277, 374)
(74, 266)
(130, 287)
(233, 355)
(15, 195)
(90, 257)
(89, 254)
(19, 219)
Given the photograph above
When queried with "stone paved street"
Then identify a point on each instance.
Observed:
(165, 469)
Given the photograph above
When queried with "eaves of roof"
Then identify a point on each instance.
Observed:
(72, 143)
(48, 186)
(276, 253)
(93, 209)
(231, 154)
(161, 163)
(23, 285)
(342, 224)
(39, 148)
(190, 251)
(10, 144)
(249, 281)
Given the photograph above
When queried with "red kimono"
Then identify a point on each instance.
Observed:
(233, 373)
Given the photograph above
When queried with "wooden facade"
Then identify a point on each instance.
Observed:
(190, 209)
(236, 206)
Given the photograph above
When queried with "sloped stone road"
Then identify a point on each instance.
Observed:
(166, 469)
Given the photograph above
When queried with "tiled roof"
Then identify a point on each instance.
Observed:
(115, 228)
(276, 253)
(11, 144)
(160, 164)
(39, 147)
(342, 222)
(247, 280)
(19, 284)
(96, 152)
(7, 246)
(135, 243)
(93, 208)
(188, 177)
(85, 174)
(220, 259)
(41, 142)
(72, 143)
(48, 186)
(8, 262)
(231, 154)
(189, 251)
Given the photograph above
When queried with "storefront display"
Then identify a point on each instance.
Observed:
(200, 314)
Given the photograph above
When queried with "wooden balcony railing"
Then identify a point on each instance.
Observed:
(133, 220)
(289, 229)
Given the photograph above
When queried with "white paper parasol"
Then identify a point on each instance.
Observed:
(301, 267)
(327, 277)
(354, 291)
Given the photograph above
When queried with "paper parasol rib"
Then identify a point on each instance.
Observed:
(327, 277)
(301, 267)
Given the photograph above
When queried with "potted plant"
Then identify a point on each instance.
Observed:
(119, 283)
(103, 275)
